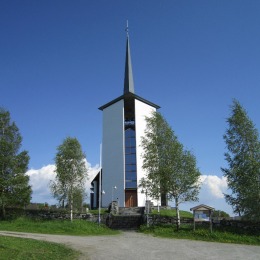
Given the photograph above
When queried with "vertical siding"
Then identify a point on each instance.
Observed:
(113, 153)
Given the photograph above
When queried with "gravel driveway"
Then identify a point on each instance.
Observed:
(132, 245)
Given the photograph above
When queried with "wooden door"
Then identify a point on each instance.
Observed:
(130, 198)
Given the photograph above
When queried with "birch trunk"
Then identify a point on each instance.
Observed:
(178, 223)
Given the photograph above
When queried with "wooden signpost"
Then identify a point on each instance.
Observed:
(202, 213)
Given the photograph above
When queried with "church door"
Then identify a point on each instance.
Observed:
(130, 198)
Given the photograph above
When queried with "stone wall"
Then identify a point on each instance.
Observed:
(251, 226)
(129, 218)
(158, 219)
(224, 222)
(45, 214)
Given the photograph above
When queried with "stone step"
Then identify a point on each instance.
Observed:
(127, 222)
(131, 211)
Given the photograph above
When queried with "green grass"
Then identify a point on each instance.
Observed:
(172, 213)
(61, 227)
(95, 211)
(23, 249)
(223, 235)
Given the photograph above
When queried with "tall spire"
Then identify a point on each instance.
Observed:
(129, 81)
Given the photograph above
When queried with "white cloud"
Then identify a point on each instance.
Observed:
(211, 193)
(45, 174)
(214, 185)
(92, 171)
(40, 181)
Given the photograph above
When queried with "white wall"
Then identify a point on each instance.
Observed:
(113, 153)
(141, 111)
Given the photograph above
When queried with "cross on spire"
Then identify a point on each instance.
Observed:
(127, 29)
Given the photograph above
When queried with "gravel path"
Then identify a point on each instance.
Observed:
(132, 245)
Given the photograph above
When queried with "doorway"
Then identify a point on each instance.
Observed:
(130, 198)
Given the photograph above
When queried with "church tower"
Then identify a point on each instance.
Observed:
(123, 126)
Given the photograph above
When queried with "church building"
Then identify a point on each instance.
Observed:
(123, 126)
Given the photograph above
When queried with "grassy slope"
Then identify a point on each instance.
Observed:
(172, 213)
(17, 248)
(226, 235)
(77, 227)
(23, 249)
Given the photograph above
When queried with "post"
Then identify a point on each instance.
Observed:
(71, 206)
(99, 190)
(113, 188)
(147, 204)
(193, 220)
(148, 209)
(210, 221)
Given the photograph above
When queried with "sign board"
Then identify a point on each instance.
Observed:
(201, 215)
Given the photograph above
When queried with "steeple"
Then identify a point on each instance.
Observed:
(129, 81)
(129, 93)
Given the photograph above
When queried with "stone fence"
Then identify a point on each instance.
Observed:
(158, 219)
(129, 219)
(45, 214)
(251, 226)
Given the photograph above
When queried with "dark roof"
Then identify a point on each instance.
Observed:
(202, 207)
(128, 96)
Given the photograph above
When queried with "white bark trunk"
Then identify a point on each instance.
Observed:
(177, 213)
(71, 208)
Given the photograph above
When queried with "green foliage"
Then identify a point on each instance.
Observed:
(243, 158)
(95, 211)
(61, 227)
(170, 169)
(219, 234)
(23, 249)
(14, 184)
(220, 213)
(79, 195)
(71, 173)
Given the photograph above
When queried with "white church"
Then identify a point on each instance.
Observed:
(123, 126)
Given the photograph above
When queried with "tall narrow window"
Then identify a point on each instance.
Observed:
(130, 159)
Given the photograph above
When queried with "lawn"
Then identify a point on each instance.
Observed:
(96, 211)
(18, 248)
(219, 234)
(61, 227)
(172, 213)
(223, 235)
(23, 249)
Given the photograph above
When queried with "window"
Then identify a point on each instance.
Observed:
(130, 159)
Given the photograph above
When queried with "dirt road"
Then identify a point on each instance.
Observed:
(132, 245)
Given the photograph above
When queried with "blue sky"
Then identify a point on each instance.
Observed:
(61, 60)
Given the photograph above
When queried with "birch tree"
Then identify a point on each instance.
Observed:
(169, 167)
(71, 172)
(243, 158)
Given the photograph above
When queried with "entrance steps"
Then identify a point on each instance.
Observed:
(126, 218)
(131, 211)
